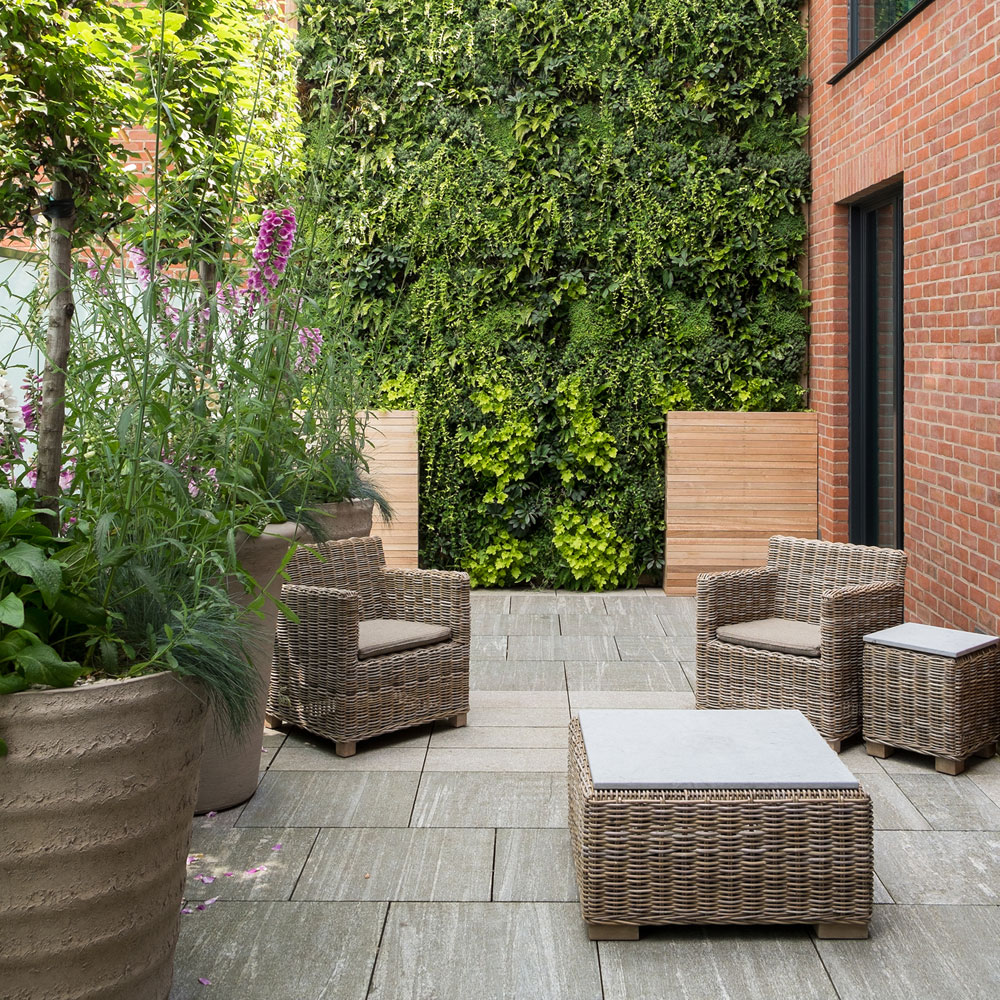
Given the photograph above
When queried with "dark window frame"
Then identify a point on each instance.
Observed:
(863, 451)
(855, 57)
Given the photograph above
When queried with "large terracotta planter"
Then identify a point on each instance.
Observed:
(347, 519)
(96, 797)
(230, 766)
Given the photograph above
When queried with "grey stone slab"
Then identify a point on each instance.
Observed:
(273, 738)
(260, 951)
(630, 699)
(733, 749)
(488, 647)
(906, 762)
(949, 803)
(490, 951)
(547, 716)
(925, 952)
(515, 624)
(424, 864)
(855, 757)
(678, 623)
(556, 604)
(247, 864)
(891, 809)
(931, 639)
(692, 963)
(496, 759)
(396, 752)
(332, 798)
(534, 866)
(639, 647)
(614, 675)
(879, 892)
(479, 799)
(632, 624)
(490, 602)
(562, 647)
(517, 675)
(502, 737)
(988, 784)
(515, 699)
(636, 601)
(938, 867)
(226, 819)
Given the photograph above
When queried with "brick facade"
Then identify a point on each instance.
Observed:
(923, 108)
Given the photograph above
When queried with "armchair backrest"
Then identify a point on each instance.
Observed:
(807, 567)
(345, 564)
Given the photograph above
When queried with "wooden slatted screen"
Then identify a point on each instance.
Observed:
(732, 481)
(393, 465)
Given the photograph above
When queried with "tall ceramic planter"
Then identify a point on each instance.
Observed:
(96, 797)
(347, 519)
(230, 766)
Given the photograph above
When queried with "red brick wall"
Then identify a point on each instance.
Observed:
(924, 107)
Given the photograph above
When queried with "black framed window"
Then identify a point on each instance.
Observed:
(876, 371)
(871, 19)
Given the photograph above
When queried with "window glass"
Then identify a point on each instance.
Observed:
(873, 18)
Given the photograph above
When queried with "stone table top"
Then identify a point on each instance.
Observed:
(931, 639)
(664, 748)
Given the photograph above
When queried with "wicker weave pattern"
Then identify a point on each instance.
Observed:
(317, 680)
(848, 590)
(932, 704)
(768, 856)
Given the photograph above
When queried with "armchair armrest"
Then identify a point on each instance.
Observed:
(847, 614)
(326, 635)
(440, 597)
(734, 596)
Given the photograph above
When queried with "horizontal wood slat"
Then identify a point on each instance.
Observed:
(732, 481)
(393, 466)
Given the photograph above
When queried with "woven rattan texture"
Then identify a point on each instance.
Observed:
(763, 856)
(939, 705)
(317, 681)
(848, 590)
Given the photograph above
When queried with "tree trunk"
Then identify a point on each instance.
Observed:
(53, 416)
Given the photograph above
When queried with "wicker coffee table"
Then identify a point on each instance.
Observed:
(715, 817)
(932, 690)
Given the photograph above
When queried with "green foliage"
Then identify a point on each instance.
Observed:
(564, 220)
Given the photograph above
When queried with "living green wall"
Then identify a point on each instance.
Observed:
(550, 224)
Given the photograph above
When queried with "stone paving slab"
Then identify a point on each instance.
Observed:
(920, 953)
(516, 699)
(478, 799)
(262, 951)
(332, 798)
(678, 623)
(555, 604)
(562, 647)
(614, 675)
(485, 647)
(534, 866)
(891, 809)
(949, 803)
(262, 863)
(515, 624)
(518, 716)
(939, 867)
(496, 759)
(517, 675)
(631, 624)
(633, 601)
(415, 864)
(501, 737)
(492, 602)
(671, 650)
(630, 699)
(489, 951)
(402, 751)
(691, 963)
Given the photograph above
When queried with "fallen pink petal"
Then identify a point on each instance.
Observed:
(277, 847)
(211, 814)
(186, 909)
(209, 902)
(204, 981)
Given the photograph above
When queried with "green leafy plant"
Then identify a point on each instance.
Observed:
(562, 221)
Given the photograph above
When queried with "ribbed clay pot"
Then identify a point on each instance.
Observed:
(96, 796)
(230, 766)
(347, 519)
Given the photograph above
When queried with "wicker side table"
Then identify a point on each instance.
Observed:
(932, 690)
(646, 856)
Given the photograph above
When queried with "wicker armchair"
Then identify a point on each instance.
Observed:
(789, 635)
(375, 650)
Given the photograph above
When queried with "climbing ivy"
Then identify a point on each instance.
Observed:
(559, 222)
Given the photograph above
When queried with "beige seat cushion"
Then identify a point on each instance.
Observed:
(381, 636)
(779, 635)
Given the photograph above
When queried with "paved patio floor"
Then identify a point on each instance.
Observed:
(435, 864)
